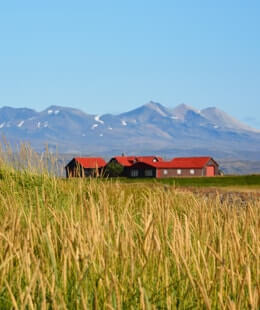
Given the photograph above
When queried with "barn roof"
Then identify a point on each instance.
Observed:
(128, 161)
(190, 162)
(158, 164)
(149, 158)
(125, 161)
(152, 161)
(91, 162)
(178, 163)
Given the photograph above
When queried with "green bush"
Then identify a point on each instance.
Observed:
(114, 169)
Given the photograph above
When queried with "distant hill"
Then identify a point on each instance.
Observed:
(151, 128)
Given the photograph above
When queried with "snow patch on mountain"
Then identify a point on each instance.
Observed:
(94, 126)
(20, 124)
(97, 119)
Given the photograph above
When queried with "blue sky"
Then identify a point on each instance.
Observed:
(113, 56)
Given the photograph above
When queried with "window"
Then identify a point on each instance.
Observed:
(148, 172)
(192, 171)
(165, 171)
(134, 173)
(179, 171)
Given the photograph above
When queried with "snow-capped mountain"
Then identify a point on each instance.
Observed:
(151, 128)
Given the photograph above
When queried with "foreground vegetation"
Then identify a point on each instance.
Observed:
(80, 244)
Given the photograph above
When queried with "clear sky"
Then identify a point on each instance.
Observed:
(113, 56)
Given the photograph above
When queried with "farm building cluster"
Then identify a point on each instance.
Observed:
(142, 167)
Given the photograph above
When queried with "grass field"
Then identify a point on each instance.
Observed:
(219, 181)
(83, 244)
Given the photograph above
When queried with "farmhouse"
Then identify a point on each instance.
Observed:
(85, 166)
(144, 166)
(127, 161)
(195, 166)
(183, 166)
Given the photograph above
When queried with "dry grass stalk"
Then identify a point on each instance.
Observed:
(83, 244)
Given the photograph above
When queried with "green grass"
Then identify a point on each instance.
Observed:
(220, 181)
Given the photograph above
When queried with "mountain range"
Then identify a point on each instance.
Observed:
(149, 129)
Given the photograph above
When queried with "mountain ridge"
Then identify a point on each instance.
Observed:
(150, 128)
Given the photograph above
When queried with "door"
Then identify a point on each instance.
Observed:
(210, 171)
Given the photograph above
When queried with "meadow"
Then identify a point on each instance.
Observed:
(93, 244)
(227, 181)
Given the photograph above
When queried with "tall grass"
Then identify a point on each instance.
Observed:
(82, 244)
(23, 157)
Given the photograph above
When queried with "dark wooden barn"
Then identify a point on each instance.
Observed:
(127, 161)
(85, 167)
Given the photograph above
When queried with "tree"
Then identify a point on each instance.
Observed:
(113, 169)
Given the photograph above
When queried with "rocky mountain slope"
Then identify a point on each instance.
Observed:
(151, 128)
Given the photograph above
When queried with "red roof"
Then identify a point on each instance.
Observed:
(91, 162)
(176, 163)
(158, 164)
(128, 161)
(149, 158)
(190, 162)
(125, 161)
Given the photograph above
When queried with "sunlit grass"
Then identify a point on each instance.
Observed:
(76, 244)
(82, 244)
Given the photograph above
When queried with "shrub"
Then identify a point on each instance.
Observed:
(114, 169)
